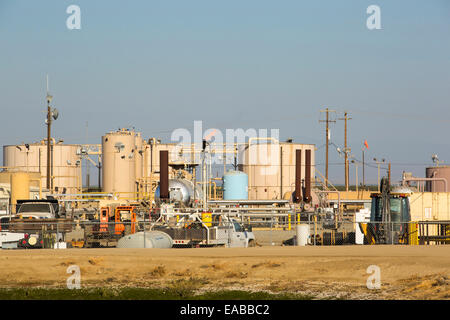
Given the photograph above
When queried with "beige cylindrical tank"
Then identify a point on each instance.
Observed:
(119, 163)
(20, 188)
(437, 172)
(152, 155)
(33, 158)
(271, 168)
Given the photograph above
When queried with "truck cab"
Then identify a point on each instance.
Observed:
(241, 236)
(36, 210)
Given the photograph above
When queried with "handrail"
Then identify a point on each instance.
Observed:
(325, 180)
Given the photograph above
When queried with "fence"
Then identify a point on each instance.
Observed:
(271, 230)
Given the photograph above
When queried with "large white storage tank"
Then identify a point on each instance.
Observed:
(67, 175)
(119, 163)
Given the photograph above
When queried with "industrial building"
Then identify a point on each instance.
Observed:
(267, 180)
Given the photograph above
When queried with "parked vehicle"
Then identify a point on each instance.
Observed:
(37, 209)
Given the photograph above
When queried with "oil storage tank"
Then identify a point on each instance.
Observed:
(119, 163)
(441, 174)
(235, 185)
(65, 163)
(271, 167)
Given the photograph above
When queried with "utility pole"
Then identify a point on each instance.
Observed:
(356, 174)
(346, 151)
(327, 139)
(389, 174)
(88, 176)
(378, 164)
(49, 124)
(364, 182)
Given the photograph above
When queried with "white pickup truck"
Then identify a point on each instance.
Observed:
(241, 236)
(36, 210)
(26, 209)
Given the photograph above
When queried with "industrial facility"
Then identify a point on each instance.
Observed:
(146, 186)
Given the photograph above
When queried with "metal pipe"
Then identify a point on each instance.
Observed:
(164, 174)
(308, 176)
(81, 194)
(265, 215)
(215, 189)
(281, 172)
(298, 176)
(49, 121)
(426, 179)
(250, 209)
(332, 191)
(249, 202)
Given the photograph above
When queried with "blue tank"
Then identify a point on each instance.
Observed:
(235, 185)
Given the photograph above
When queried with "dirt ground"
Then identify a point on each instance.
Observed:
(407, 272)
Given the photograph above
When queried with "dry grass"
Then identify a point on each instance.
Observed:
(236, 274)
(95, 261)
(406, 273)
(268, 264)
(66, 263)
(157, 272)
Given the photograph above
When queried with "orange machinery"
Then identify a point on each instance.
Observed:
(104, 218)
(124, 214)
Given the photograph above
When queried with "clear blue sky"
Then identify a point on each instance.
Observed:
(160, 65)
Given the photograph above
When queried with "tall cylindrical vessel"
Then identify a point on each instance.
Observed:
(119, 164)
(235, 185)
(20, 188)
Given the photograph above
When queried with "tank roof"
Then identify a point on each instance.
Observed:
(439, 167)
(42, 143)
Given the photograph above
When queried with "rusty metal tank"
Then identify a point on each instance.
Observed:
(119, 163)
(33, 158)
(442, 172)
